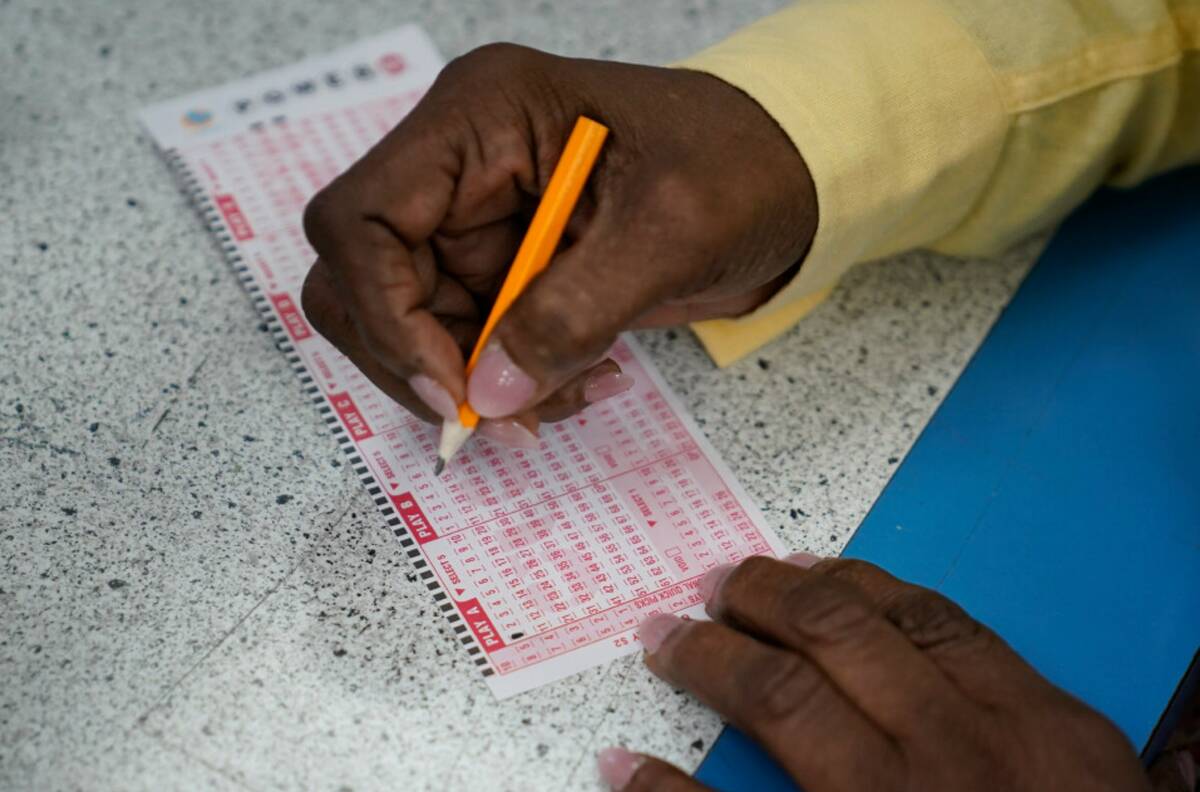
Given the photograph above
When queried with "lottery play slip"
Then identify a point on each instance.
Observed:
(544, 561)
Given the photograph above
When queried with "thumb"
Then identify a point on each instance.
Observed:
(573, 311)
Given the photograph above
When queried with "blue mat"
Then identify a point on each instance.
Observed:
(1055, 494)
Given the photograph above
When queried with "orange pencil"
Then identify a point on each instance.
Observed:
(562, 193)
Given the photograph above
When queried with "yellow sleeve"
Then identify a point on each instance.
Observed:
(957, 125)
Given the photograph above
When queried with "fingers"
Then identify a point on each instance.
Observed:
(443, 180)
(616, 272)
(446, 194)
(603, 381)
(329, 317)
(835, 624)
(385, 273)
(420, 394)
(779, 697)
(624, 771)
(427, 398)
(479, 257)
(977, 660)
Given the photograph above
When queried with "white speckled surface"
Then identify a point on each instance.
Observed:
(195, 593)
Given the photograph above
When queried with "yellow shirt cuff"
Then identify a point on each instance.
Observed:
(729, 340)
(884, 99)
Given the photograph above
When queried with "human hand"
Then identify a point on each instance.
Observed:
(854, 680)
(698, 208)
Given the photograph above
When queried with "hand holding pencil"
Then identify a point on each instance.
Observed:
(700, 207)
(545, 232)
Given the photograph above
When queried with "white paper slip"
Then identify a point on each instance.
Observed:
(544, 561)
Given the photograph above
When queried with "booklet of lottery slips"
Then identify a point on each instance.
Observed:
(544, 561)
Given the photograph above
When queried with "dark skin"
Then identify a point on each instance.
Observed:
(700, 207)
(854, 680)
(415, 238)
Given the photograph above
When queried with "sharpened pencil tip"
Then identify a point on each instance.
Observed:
(439, 467)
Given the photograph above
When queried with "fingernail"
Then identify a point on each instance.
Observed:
(498, 387)
(604, 386)
(712, 580)
(509, 432)
(617, 766)
(654, 630)
(435, 396)
(803, 560)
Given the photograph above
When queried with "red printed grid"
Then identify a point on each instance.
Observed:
(543, 553)
(614, 518)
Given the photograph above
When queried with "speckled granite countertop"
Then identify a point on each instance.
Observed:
(195, 590)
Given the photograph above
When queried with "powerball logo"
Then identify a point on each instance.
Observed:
(196, 118)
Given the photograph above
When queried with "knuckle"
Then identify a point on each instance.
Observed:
(681, 201)
(319, 218)
(931, 621)
(507, 149)
(1103, 758)
(779, 687)
(573, 328)
(754, 567)
(563, 330)
(738, 586)
(317, 301)
(678, 206)
(1095, 729)
(499, 58)
(376, 339)
(852, 570)
(820, 610)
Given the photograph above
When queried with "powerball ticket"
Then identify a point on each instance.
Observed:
(543, 561)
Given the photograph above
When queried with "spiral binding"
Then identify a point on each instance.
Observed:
(198, 196)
